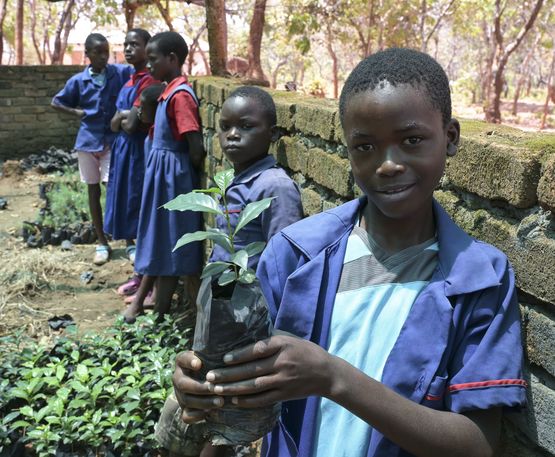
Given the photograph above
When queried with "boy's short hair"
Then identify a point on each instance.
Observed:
(93, 39)
(145, 36)
(169, 42)
(400, 66)
(262, 97)
(152, 93)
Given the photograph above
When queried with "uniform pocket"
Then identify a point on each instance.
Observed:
(435, 395)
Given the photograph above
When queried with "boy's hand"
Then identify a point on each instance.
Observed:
(280, 368)
(193, 396)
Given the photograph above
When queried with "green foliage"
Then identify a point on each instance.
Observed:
(67, 201)
(100, 392)
(208, 201)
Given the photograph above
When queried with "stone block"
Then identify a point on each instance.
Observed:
(528, 248)
(514, 443)
(496, 171)
(207, 115)
(537, 421)
(316, 117)
(216, 148)
(285, 110)
(330, 171)
(326, 205)
(292, 154)
(540, 340)
(312, 201)
(215, 94)
(26, 118)
(338, 136)
(546, 185)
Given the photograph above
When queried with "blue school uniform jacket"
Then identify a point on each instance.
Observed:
(459, 349)
(98, 103)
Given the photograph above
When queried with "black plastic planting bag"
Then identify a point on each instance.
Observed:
(222, 325)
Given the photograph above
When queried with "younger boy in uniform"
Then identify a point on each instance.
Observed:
(247, 126)
(403, 333)
(91, 97)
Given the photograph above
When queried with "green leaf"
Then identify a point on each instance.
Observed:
(11, 416)
(246, 276)
(255, 248)
(214, 269)
(211, 190)
(194, 201)
(218, 238)
(240, 258)
(27, 411)
(227, 277)
(60, 372)
(252, 211)
(223, 179)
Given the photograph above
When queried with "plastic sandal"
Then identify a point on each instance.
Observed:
(102, 254)
(130, 287)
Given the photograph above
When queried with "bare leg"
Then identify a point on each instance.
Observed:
(136, 307)
(95, 209)
(193, 285)
(166, 286)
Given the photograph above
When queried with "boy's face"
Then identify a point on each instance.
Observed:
(161, 67)
(134, 48)
(397, 148)
(244, 132)
(98, 54)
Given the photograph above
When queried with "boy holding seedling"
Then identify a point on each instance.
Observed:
(403, 333)
(91, 97)
(247, 127)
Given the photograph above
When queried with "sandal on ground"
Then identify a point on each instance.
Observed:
(102, 254)
(130, 287)
(130, 251)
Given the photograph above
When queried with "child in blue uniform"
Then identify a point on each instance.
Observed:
(403, 333)
(172, 166)
(91, 97)
(127, 165)
(247, 126)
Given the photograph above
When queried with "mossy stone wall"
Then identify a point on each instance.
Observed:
(500, 187)
(28, 124)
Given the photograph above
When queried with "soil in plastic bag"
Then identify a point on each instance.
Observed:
(224, 324)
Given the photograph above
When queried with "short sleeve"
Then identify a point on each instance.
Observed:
(183, 114)
(69, 95)
(486, 368)
(285, 209)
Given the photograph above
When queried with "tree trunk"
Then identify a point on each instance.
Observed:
(492, 110)
(334, 67)
(33, 5)
(254, 70)
(217, 36)
(19, 33)
(548, 92)
(3, 4)
(130, 11)
(57, 56)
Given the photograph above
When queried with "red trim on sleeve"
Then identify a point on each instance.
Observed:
(433, 397)
(491, 383)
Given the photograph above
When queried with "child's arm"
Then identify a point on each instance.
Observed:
(131, 123)
(78, 113)
(67, 100)
(118, 119)
(196, 149)
(286, 367)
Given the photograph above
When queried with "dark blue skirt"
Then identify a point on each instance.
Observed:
(168, 174)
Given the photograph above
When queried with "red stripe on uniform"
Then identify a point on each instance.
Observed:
(230, 211)
(492, 383)
(433, 397)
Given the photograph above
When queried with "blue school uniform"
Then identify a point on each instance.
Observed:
(458, 350)
(98, 103)
(261, 180)
(127, 170)
(168, 174)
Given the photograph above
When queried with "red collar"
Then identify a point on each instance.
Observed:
(172, 85)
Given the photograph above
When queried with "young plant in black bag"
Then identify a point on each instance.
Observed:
(231, 309)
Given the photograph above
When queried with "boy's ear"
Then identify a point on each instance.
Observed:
(453, 130)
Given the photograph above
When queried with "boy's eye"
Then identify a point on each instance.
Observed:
(413, 140)
(246, 126)
(365, 147)
(223, 127)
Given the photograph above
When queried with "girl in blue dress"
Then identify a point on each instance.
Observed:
(125, 185)
(172, 166)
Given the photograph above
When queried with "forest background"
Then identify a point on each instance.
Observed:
(499, 54)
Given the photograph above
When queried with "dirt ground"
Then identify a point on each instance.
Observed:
(36, 284)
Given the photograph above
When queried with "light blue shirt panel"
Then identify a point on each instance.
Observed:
(364, 327)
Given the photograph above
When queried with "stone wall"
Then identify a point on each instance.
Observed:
(27, 122)
(500, 188)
